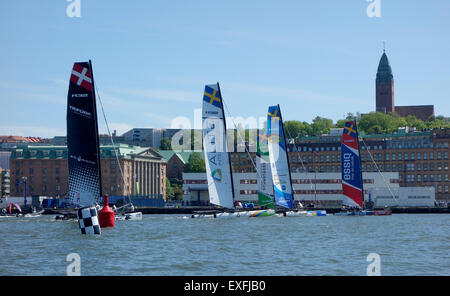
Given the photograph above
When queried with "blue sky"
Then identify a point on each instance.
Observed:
(151, 59)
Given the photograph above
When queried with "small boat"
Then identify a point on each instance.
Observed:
(218, 161)
(280, 168)
(83, 145)
(385, 212)
(352, 181)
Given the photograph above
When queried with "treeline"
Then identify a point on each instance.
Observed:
(371, 123)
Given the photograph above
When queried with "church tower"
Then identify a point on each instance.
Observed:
(384, 86)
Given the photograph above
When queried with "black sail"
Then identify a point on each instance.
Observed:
(82, 137)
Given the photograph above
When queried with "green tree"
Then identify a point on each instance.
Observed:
(195, 164)
(165, 144)
(321, 125)
(295, 129)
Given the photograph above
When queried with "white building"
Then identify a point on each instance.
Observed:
(404, 197)
(325, 188)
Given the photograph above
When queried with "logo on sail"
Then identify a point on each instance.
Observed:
(217, 175)
(81, 76)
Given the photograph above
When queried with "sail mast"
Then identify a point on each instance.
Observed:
(97, 140)
(360, 164)
(226, 143)
(287, 155)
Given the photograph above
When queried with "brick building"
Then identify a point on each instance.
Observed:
(420, 158)
(46, 171)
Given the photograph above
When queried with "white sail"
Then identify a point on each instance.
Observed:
(284, 195)
(217, 159)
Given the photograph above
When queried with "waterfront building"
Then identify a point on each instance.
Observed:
(384, 89)
(324, 189)
(175, 163)
(44, 170)
(4, 184)
(4, 159)
(421, 158)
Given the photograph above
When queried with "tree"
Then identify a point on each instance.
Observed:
(195, 164)
(321, 125)
(295, 128)
(165, 144)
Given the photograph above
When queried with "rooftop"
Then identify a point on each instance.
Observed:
(60, 152)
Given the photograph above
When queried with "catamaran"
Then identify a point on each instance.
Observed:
(352, 181)
(280, 168)
(217, 160)
(85, 189)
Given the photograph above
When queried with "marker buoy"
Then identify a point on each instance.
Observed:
(106, 215)
(88, 220)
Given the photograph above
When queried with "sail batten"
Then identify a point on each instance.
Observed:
(82, 137)
(217, 158)
(352, 184)
(279, 164)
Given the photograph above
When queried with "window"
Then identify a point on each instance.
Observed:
(419, 178)
(44, 171)
(439, 166)
(425, 166)
(431, 155)
(406, 156)
(418, 166)
(431, 166)
(388, 168)
(57, 171)
(418, 155)
(425, 156)
(445, 155)
(412, 156)
(446, 166)
(425, 178)
(431, 178)
(393, 156)
(31, 171)
(439, 155)
(387, 156)
(439, 178)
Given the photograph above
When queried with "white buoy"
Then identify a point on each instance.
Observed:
(88, 220)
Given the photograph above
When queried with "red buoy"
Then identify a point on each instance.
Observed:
(106, 215)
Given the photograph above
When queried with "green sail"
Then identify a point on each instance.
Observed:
(265, 185)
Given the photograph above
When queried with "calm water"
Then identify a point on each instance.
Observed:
(173, 245)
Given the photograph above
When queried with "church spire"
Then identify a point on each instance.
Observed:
(384, 73)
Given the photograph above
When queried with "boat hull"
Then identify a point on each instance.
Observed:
(357, 213)
(383, 213)
(249, 214)
(129, 216)
(302, 213)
